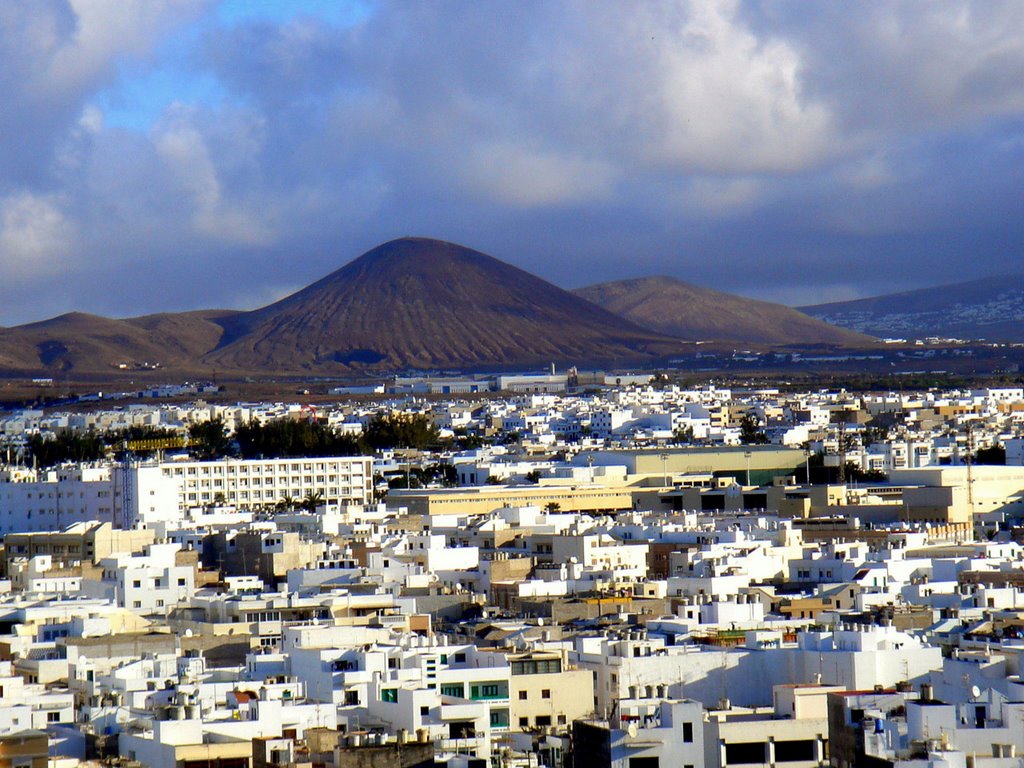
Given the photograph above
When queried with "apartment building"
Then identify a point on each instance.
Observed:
(53, 499)
(248, 483)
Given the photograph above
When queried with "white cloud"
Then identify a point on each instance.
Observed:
(35, 238)
(686, 136)
(723, 100)
(520, 176)
(107, 29)
(193, 170)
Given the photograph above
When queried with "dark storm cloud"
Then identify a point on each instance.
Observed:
(753, 147)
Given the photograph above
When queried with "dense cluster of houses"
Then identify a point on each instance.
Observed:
(640, 576)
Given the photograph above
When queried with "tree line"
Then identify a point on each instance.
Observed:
(212, 439)
(286, 438)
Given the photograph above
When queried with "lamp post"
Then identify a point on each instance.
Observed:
(664, 470)
(746, 455)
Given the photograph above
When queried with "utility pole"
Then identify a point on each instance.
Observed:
(970, 469)
(842, 450)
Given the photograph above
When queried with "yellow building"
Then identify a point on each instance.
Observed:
(483, 499)
(545, 693)
(24, 749)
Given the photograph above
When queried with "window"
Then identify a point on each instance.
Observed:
(546, 693)
(53, 717)
(424, 711)
(543, 721)
(522, 695)
(389, 695)
(688, 733)
(536, 667)
(137, 604)
(746, 752)
(524, 722)
(351, 698)
(137, 584)
(489, 689)
(453, 690)
(181, 582)
(794, 751)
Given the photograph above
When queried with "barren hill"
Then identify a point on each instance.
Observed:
(410, 303)
(420, 303)
(92, 344)
(673, 307)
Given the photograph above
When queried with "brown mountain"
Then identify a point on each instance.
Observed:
(419, 303)
(93, 344)
(410, 303)
(686, 311)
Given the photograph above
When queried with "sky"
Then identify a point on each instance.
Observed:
(164, 155)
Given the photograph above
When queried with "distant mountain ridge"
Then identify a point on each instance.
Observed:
(990, 308)
(412, 303)
(686, 311)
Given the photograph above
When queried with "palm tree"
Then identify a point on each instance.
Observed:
(312, 500)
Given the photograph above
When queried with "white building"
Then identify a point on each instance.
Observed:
(53, 499)
(247, 483)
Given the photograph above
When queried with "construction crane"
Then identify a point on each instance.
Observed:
(128, 462)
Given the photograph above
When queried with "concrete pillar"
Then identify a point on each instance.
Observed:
(819, 750)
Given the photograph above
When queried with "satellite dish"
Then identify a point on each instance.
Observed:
(631, 730)
(975, 691)
(188, 633)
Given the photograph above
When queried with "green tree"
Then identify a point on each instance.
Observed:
(400, 430)
(210, 440)
(312, 500)
(285, 504)
(510, 438)
(992, 454)
(683, 435)
(282, 438)
(874, 434)
(750, 431)
(443, 473)
(66, 445)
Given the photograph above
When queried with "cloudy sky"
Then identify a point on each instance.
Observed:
(175, 154)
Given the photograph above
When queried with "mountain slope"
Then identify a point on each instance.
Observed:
(420, 303)
(686, 311)
(410, 303)
(92, 344)
(990, 308)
